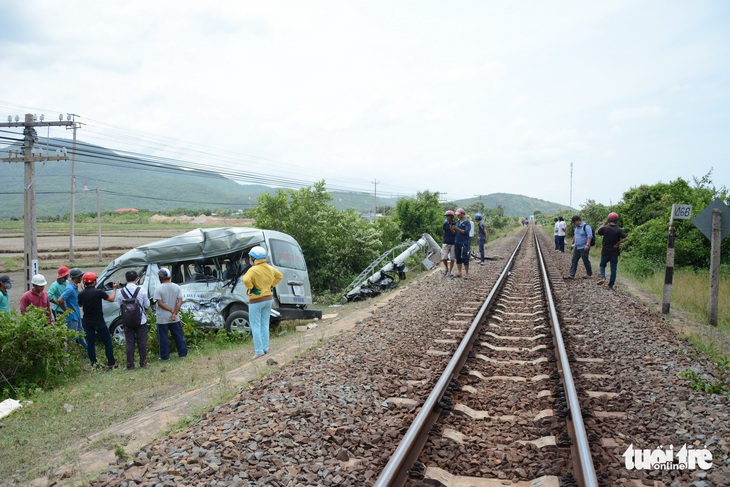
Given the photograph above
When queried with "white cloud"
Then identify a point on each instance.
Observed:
(463, 98)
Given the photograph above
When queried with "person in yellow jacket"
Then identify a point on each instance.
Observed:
(259, 280)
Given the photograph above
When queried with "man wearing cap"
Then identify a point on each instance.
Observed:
(447, 252)
(482, 236)
(37, 297)
(582, 237)
(259, 279)
(56, 289)
(613, 237)
(169, 300)
(5, 284)
(93, 321)
(70, 300)
(462, 243)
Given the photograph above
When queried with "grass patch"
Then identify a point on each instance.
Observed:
(690, 294)
(43, 433)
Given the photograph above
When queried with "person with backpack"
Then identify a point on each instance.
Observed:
(93, 320)
(132, 303)
(582, 241)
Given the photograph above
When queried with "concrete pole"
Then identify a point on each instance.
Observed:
(30, 246)
(714, 267)
(98, 220)
(73, 195)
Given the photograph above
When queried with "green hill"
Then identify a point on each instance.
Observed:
(131, 182)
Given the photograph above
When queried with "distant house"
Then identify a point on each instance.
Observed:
(126, 210)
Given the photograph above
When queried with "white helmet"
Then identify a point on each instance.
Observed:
(257, 252)
(38, 280)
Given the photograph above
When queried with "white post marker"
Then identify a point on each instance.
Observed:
(679, 212)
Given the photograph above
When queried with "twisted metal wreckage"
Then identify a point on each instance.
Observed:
(394, 271)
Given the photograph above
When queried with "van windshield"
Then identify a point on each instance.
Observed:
(285, 254)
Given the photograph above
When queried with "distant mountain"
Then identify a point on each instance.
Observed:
(131, 182)
(518, 205)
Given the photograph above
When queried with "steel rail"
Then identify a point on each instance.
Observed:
(586, 472)
(395, 472)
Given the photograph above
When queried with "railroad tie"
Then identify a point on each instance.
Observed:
(449, 480)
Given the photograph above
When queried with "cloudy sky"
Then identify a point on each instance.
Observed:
(460, 97)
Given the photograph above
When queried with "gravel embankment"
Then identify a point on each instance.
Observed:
(326, 419)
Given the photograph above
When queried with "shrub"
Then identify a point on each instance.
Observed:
(34, 354)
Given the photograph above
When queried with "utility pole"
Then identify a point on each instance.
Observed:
(98, 220)
(29, 158)
(72, 118)
(375, 201)
(571, 185)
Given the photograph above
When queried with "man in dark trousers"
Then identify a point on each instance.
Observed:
(168, 297)
(135, 333)
(613, 237)
(447, 252)
(90, 299)
(582, 237)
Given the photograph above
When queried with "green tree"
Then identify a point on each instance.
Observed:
(337, 245)
(419, 215)
(644, 213)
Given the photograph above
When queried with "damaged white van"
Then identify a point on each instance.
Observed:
(207, 264)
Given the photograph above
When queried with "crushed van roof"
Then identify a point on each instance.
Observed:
(195, 244)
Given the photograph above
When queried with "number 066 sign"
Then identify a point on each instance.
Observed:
(681, 212)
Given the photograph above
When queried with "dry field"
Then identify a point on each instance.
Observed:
(53, 251)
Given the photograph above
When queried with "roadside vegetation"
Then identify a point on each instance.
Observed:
(644, 214)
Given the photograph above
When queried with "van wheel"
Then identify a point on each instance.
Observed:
(117, 332)
(237, 322)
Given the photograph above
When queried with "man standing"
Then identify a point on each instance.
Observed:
(56, 289)
(562, 228)
(135, 332)
(582, 236)
(70, 300)
(447, 252)
(93, 322)
(5, 284)
(259, 280)
(555, 234)
(462, 242)
(37, 297)
(169, 300)
(613, 237)
(482, 236)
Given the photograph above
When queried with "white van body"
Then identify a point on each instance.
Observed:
(207, 264)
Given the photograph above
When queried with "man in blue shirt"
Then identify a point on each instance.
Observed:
(462, 243)
(5, 284)
(70, 300)
(582, 237)
(447, 252)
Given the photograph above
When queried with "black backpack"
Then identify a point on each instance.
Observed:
(593, 240)
(130, 311)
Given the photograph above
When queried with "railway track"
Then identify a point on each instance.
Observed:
(507, 386)
(503, 413)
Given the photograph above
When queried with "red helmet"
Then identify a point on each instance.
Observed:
(89, 278)
(63, 271)
(449, 212)
(613, 216)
